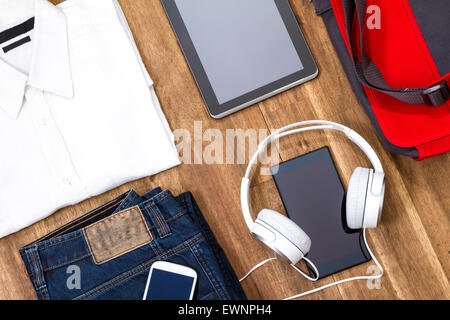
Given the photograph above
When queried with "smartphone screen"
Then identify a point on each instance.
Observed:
(314, 198)
(166, 285)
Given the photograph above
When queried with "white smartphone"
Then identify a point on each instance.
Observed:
(170, 281)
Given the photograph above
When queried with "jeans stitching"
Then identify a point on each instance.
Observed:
(220, 291)
(177, 215)
(159, 224)
(156, 247)
(163, 224)
(67, 262)
(126, 211)
(54, 234)
(223, 263)
(95, 212)
(37, 274)
(87, 219)
(44, 293)
(207, 272)
(35, 269)
(139, 269)
(213, 295)
(163, 198)
(46, 246)
(166, 227)
(126, 202)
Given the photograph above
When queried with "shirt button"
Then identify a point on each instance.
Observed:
(44, 122)
(67, 181)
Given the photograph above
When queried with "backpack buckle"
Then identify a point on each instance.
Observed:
(437, 95)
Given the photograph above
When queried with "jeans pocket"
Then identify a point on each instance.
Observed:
(130, 284)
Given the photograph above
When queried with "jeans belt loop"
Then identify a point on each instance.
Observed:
(37, 270)
(159, 221)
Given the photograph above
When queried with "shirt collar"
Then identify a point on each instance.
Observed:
(50, 66)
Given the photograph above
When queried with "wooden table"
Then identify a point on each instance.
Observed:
(412, 241)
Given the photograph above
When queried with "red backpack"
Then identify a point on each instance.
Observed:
(396, 54)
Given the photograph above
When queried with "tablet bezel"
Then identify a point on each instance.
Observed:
(218, 110)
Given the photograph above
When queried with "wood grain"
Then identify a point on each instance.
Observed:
(412, 242)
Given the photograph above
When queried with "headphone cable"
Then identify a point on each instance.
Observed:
(378, 276)
(259, 265)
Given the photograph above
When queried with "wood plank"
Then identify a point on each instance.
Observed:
(412, 241)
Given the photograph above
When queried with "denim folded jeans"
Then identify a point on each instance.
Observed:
(107, 253)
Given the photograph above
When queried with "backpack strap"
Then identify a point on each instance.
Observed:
(369, 74)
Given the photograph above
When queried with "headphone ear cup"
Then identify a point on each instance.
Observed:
(287, 228)
(356, 197)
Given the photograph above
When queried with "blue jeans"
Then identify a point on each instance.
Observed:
(107, 253)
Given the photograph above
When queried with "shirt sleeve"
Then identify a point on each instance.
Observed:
(128, 32)
(149, 80)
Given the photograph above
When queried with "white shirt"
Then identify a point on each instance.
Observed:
(78, 113)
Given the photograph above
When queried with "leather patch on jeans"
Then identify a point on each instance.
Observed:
(117, 234)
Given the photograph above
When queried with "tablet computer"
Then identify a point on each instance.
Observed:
(240, 51)
(314, 198)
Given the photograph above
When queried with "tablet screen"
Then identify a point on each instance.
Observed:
(243, 45)
(314, 198)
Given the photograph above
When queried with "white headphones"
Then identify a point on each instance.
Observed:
(364, 201)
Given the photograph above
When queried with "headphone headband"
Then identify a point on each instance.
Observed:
(285, 131)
